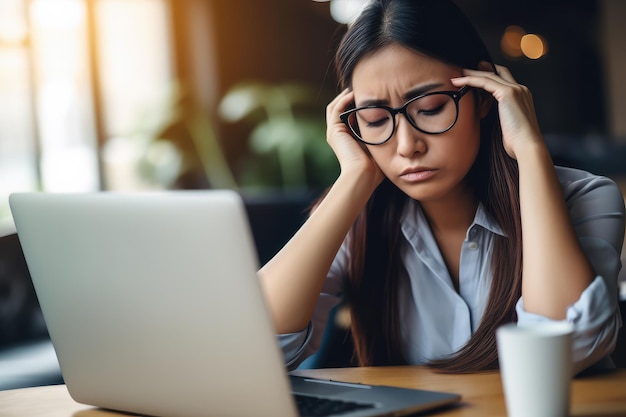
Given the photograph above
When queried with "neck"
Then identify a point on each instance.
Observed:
(454, 213)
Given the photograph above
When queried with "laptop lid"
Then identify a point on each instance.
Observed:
(153, 306)
(152, 303)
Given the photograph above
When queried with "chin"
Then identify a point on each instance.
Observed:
(422, 192)
(427, 191)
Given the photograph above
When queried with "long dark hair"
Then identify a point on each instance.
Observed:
(438, 29)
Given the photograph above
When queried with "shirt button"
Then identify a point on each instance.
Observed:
(472, 245)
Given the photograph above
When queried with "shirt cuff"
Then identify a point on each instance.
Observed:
(588, 311)
(293, 344)
(596, 321)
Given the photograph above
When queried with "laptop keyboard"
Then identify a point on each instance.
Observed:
(320, 407)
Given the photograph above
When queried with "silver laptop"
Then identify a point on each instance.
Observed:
(153, 307)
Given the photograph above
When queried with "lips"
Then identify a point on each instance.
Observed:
(417, 174)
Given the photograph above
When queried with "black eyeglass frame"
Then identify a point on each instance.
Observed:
(455, 95)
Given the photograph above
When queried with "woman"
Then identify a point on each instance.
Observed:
(448, 218)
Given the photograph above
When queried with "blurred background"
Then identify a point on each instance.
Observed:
(161, 94)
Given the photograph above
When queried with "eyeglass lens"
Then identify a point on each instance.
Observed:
(434, 113)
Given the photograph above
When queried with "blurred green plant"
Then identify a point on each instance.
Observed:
(175, 145)
(288, 135)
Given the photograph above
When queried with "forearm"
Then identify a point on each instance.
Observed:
(293, 279)
(555, 269)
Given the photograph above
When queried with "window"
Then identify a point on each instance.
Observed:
(74, 76)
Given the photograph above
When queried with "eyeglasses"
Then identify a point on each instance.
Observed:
(431, 113)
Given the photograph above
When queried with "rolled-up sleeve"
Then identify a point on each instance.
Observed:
(596, 206)
(293, 344)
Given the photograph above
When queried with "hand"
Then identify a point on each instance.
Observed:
(518, 119)
(353, 156)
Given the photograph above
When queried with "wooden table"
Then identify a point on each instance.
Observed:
(601, 395)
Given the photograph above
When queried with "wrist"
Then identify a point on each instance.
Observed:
(359, 182)
(532, 151)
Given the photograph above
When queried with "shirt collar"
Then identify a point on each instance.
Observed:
(484, 220)
(413, 217)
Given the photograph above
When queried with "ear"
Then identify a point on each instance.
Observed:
(486, 66)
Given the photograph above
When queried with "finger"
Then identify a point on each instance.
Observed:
(341, 96)
(501, 72)
(496, 86)
(334, 123)
(505, 73)
(487, 81)
(339, 104)
(489, 68)
(490, 75)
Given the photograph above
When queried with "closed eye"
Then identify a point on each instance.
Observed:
(373, 117)
(377, 123)
(431, 112)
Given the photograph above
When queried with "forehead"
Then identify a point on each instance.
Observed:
(396, 69)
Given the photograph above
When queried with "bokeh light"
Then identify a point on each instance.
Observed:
(511, 41)
(516, 43)
(533, 46)
(346, 11)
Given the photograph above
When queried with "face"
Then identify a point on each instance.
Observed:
(426, 167)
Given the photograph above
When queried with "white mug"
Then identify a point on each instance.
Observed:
(536, 368)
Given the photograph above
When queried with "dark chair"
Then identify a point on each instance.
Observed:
(27, 357)
(336, 349)
(274, 218)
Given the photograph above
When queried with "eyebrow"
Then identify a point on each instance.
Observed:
(414, 92)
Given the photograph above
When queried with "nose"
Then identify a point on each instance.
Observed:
(409, 141)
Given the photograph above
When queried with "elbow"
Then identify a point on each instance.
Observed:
(593, 347)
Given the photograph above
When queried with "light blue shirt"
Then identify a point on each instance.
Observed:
(438, 320)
